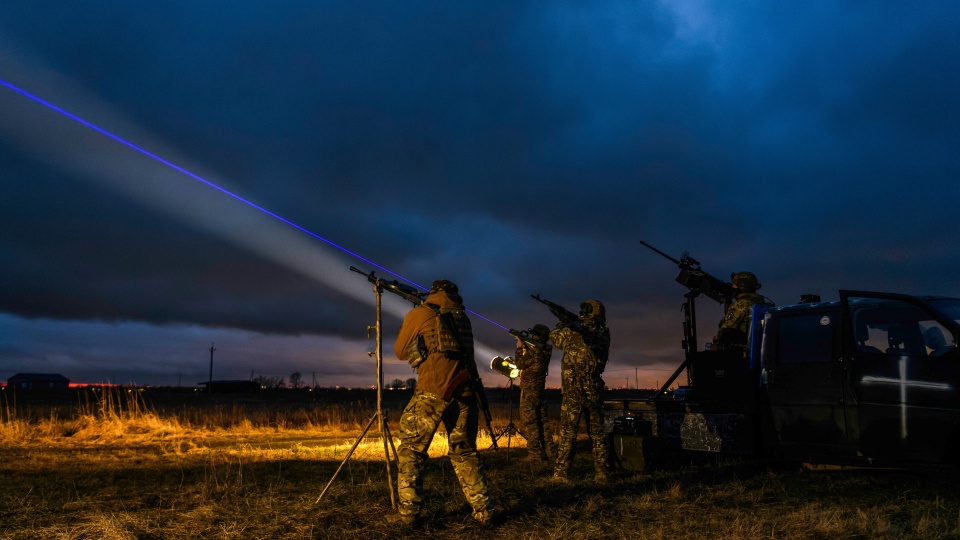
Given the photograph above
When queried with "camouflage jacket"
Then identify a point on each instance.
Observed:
(733, 327)
(585, 352)
(533, 363)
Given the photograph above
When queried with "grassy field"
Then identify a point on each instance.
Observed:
(119, 465)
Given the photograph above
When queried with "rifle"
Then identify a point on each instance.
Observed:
(525, 337)
(566, 316)
(416, 297)
(476, 385)
(699, 282)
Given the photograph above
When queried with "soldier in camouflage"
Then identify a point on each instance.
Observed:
(585, 345)
(436, 338)
(736, 322)
(533, 361)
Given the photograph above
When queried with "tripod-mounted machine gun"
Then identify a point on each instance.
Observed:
(698, 282)
(412, 295)
(417, 298)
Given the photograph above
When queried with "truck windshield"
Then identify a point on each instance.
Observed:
(949, 307)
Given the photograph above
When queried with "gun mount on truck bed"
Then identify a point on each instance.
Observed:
(869, 379)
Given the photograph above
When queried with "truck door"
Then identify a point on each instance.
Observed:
(904, 372)
(803, 375)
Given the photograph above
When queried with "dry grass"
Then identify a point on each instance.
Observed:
(123, 470)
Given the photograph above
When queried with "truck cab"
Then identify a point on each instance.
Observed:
(869, 379)
(872, 378)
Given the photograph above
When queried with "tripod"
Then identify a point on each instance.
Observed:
(511, 427)
(378, 414)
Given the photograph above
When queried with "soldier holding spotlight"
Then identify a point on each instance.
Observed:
(533, 359)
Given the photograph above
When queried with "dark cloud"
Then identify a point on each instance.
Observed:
(513, 148)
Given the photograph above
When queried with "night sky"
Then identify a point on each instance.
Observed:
(514, 148)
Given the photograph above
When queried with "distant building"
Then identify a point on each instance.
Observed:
(38, 381)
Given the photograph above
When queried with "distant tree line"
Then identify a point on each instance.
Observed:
(409, 384)
(296, 381)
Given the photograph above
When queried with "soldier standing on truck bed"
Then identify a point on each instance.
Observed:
(585, 343)
(736, 322)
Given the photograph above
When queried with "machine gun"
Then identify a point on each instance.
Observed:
(566, 316)
(699, 282)
(416, 297)
(406, 292)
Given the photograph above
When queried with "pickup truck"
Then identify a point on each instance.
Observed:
(870, 379)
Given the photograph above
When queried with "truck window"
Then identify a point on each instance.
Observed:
(950, 307)
(807, 338)
(894, 327)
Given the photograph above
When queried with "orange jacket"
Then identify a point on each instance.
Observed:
(438, 370)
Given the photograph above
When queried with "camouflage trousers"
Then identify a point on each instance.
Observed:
(534, 425)
(419, 422)
(572, 408)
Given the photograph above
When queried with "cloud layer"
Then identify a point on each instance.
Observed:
(513, 148)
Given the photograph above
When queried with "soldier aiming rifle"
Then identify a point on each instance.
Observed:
(585, 342)
(436, 338)
(417, 298)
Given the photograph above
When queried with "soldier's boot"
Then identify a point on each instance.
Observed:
(561, 475)
(601, 476)
(536, 452)
(485, 516)
(404, 520)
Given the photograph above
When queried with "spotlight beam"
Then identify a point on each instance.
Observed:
(210, 184)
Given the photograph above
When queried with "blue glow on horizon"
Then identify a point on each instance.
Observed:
(198, 178)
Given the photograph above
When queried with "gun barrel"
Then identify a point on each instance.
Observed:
(698, 281)
(406, 292)
(674, 261)
(565, 315)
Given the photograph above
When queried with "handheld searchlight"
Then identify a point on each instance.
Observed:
(505, 367)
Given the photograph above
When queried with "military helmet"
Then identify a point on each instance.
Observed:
(592, 309)
(444, 285)
(540, 332)
(745, 281)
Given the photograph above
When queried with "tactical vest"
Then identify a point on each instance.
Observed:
(445, 333)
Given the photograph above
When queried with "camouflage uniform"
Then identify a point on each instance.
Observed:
(585, 349)
(533, 362)
(443, 395)
(418, 423)
(736, 322)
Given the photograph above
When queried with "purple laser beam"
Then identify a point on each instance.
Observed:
(198, 178)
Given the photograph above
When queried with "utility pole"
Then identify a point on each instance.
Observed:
(636, 378)
(210, 380)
